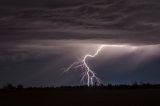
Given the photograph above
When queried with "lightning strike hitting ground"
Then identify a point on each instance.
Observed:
(89, 76)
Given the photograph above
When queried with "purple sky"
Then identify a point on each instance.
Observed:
(40, 37)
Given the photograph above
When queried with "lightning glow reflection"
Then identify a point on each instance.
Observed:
(88, 75)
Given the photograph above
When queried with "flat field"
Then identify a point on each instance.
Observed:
(80, 97)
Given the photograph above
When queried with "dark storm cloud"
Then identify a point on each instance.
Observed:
(117, 20)
(39, 3)
(34, 36)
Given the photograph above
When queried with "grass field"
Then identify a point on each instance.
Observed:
(80, 97)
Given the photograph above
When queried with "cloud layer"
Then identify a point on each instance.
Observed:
(120, 21)
(40, 37)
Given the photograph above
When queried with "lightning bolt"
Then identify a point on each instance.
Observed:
(88, 76)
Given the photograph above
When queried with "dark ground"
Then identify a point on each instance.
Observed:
(80, 97)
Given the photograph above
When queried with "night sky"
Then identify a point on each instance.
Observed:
(40, 38)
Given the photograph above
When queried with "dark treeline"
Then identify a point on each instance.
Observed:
(98, 95)
(109, 86)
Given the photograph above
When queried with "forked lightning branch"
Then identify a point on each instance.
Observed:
(88, 75)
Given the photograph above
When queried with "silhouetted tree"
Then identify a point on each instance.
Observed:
(19, 86)
(9, 86)
(135, 84)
